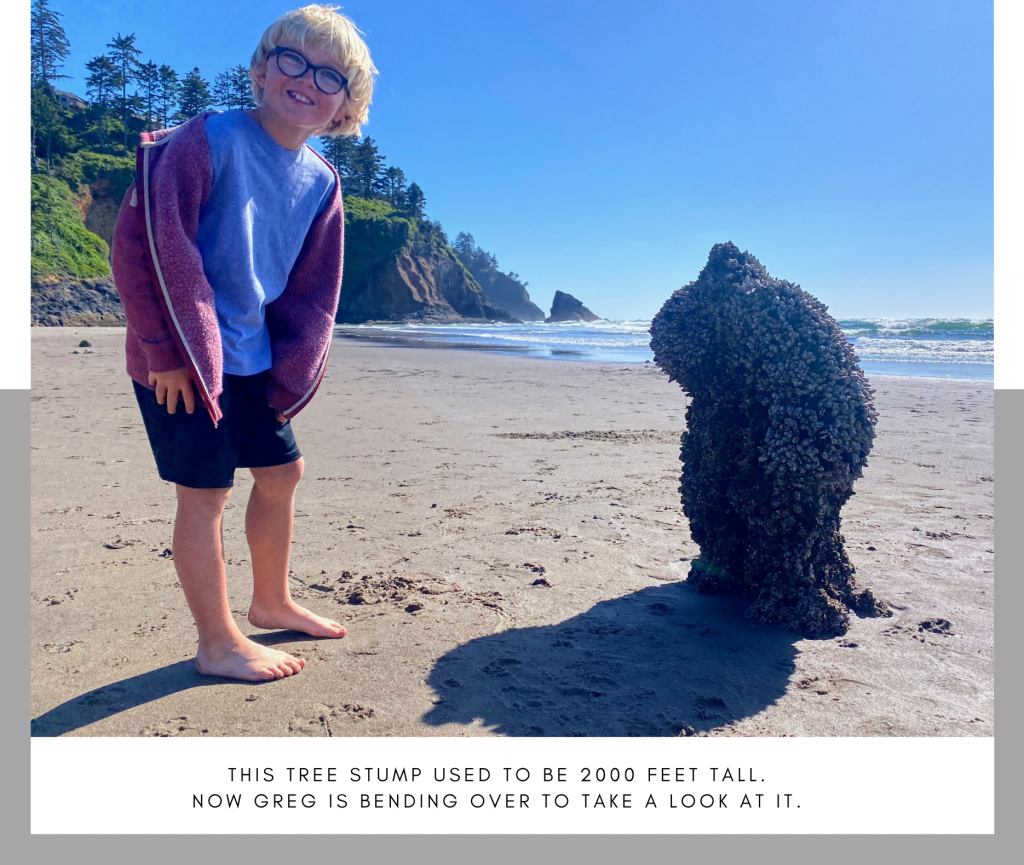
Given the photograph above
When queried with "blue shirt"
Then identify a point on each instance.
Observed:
(262, 202)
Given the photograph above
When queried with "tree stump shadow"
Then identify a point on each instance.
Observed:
(663, 661)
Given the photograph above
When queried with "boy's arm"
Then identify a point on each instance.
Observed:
(301, 320)
(133, 279)
(179, 177)
(179, 186)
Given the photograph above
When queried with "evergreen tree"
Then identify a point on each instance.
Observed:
(434, 230)
(50, 46)
(168, 89)
(368, 164)
(472, 255)
(243, 87)
(232, 88)
(465, 246)
(341, 153)
(394, 181)
(149, 83)
(401, 196)
(101, 82)
(476, 259)
(195, 95)
(124, 56)
(101, 88)
(49, 129)
(416, 201)
(222, 90)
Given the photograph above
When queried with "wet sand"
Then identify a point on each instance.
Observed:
(503, 538)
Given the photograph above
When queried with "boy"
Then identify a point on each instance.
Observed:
(228, 258)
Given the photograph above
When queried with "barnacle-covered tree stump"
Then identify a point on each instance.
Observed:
(780, 425)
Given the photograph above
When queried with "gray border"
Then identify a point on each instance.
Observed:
(513, 849)
(15, 540)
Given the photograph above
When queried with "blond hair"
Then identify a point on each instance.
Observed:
(324, 27)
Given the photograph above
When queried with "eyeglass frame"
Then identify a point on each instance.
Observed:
(277, 59)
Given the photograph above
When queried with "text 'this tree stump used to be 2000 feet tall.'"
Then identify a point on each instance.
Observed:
(779, 427)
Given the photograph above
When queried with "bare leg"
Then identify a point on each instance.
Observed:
(268, 528)
(199, 561)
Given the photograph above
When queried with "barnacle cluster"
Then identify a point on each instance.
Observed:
(779, 427)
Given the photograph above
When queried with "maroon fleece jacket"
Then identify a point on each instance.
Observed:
(168, 302)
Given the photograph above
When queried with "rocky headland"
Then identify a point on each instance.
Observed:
(507, 293)
(422, 280)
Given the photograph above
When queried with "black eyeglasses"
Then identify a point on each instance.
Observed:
(294, 65)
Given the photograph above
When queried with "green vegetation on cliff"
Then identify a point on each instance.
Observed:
(61, 244)
(399, 267)
(374, 231)
(86, 168)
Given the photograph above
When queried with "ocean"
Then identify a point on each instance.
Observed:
(923, 347)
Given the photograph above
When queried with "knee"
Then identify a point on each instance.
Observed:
(278, 481)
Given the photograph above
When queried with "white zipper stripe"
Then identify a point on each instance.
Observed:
(316, 381)
(159, 271)
(323, 365)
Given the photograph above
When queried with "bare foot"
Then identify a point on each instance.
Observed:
(291, 616)
(244, 659)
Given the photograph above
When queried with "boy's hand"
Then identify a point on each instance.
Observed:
(170, 386)
(280, 417)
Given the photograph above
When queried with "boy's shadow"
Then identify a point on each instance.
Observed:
(116, 697)
(658, 662)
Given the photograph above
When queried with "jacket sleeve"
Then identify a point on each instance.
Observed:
(133, 277)
(179, 185)
(301, 320)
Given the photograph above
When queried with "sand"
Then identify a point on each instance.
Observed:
(503, 538)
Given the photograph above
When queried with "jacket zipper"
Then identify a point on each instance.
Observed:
(147, 204)
(308, 395)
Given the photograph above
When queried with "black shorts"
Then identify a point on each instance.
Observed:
(191, 452)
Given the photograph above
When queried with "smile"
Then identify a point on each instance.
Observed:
(298, 97)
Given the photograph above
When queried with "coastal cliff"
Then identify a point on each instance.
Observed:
(401, 269)
(423, 282)
(73, 215)
(508, 294)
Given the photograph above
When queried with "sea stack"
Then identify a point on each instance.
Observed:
(779, 428)
(565, 307)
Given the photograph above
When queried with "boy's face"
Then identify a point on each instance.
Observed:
(298, 102)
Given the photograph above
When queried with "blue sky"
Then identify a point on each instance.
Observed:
(601, 149)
